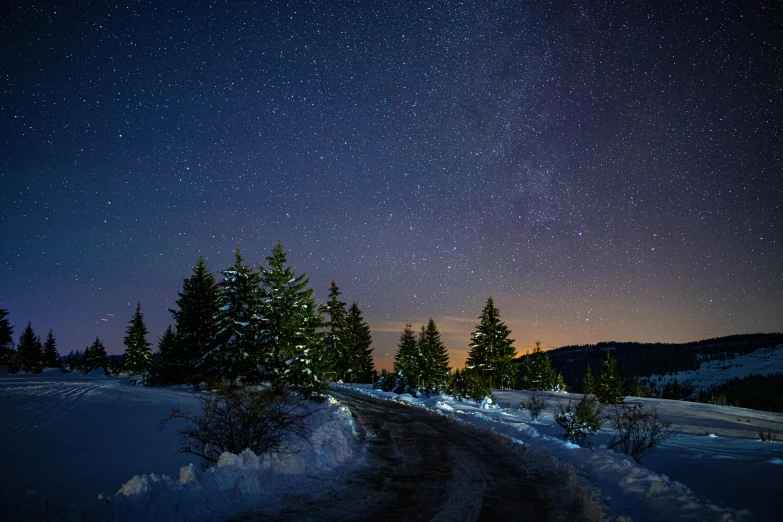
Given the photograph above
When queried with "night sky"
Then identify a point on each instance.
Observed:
(605, 170)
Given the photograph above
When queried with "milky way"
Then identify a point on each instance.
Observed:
(605, 170)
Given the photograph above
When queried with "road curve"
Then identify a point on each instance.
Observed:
(427, 467)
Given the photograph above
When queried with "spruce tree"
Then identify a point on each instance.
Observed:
(539, 373)
(95, 358)
(406, 362)
(434, 359)
(291, 345)
(588, 384)
(358, 341)
(491, 351)
(6, 338)
(50, 356)
(30, 351)
(138, 358)
(609, 388)
(196, 326)
(335, 349)
(234, 351)
(163, 368)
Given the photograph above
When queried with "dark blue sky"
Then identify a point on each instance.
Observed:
(605, 170)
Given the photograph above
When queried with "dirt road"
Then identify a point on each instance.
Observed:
(426, 467)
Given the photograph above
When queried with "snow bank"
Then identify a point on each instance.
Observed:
(237, 484)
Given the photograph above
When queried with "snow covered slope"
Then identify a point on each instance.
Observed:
(65, 439)
(764, 361)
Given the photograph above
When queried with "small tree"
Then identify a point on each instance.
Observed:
(164, 372)
(30, 351)
(609, 389)
(406, 362)
(334, 341)
(580, 419)
(536, 405)
(50, 355)
(433, 359)
(6, 339)
(94, 358)
(491, 351)
(588, 383)
(235, 418)
(358, 346)
(538, 372)
(638, 431)
(386, 381)
(138, 359)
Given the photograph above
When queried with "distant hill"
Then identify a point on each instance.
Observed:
(654, 359)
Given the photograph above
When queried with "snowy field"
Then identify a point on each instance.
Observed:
(715, 468)
(66, 439)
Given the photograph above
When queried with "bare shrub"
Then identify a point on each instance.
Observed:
(767, 437)
(536, 405)
(638, 431)
(580, 419)
(234, 419)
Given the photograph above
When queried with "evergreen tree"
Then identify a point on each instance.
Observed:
(163, 366)
(588, 384)
(406, 362)
(609, 388)
(196, 326)
(539, 374)
(491, 351)
(95, 358)
(6, 338)
(560, 384)
(358, 344)
(234, 350)
(291, 344)
(334, 341)
(433, 359)
(30, 351)
(50, 356)
(138, 358)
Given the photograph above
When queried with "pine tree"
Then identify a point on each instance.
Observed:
(138, 359)
(196, 326)
(95, 357)
(234, 351)
(6, 338)
(588, 384)
(358, 344)
(433, 359)
(163, 366)
(406, 362)
(50, 356)
(539, 373)
(609, 388)
(491, 351)
(291, 344)
(334, 340)
(30, 351)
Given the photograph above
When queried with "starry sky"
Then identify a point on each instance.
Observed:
(605, 170)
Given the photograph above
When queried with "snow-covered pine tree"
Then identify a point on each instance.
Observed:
(235, 350)
(291, 344)
(95, 357)
(406, 362)
(50, 356)
(6, 338)
(30, 351)
(359, 341)
(434, 359)
(196, 326)
(334, 341)
(491, 351)
(609, 388)
(138, 358)
(539, 372)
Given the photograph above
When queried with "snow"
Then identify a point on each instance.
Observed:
(89, 448)
(764, 361)
(692, 476)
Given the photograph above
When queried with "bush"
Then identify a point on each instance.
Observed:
(234, 419)
(477, 385)
(767, 437)
(638, 430)
(580, 420)
(386, 381)
(536, 405)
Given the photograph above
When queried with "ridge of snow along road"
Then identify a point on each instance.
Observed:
(631, 491)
